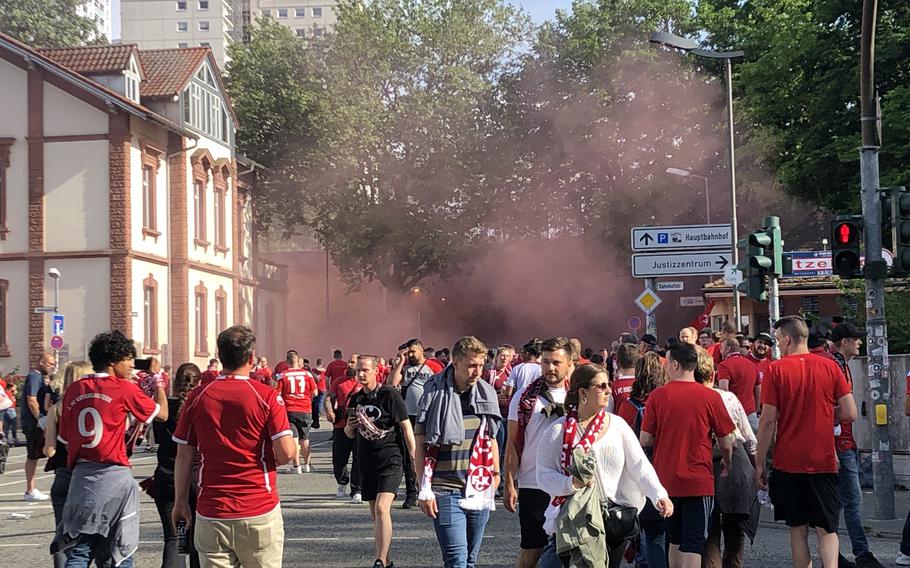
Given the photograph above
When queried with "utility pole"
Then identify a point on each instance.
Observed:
(875, 272)
(772, 224)
(651, 317)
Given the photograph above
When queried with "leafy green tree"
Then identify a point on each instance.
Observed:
(275, 91)
(46, 23)
(396, 186)
(799, 86)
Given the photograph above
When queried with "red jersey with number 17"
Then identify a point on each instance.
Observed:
(297, 387)
(93, 421)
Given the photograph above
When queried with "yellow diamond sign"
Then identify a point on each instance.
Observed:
(647, 301)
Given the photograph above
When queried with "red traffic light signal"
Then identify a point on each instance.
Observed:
(846, 234)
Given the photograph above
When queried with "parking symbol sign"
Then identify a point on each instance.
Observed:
(663, 238)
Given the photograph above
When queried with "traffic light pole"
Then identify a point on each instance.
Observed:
(875, 274)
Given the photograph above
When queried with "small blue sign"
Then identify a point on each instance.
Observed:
(663, 238)
(58, 324)
(634, 323)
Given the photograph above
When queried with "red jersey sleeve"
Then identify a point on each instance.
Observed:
(278, 417)
(723, 372)
(139, 404)
(184, 433)
(721, 423)
(434, 366)
(769, 394)
(841, 386)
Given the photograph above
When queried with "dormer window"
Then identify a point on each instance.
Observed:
(131, 79)
(203, 106)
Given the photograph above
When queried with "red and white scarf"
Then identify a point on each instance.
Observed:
(570, 429)
(480, 492)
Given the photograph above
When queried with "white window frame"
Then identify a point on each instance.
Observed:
(178, 5)
(300, 12)
(301, 32)
(284, 17)
(185, 25)
(200, 7)
(314, 12)
(208, 26)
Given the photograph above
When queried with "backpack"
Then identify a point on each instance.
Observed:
(639, 414)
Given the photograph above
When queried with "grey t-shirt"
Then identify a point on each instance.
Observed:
(413, 377)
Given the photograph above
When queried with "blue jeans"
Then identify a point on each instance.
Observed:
(851, 497)
(501, 437)
(655, 541)
(80, 556)
(549, 558)
(9, 423)
(459, 532)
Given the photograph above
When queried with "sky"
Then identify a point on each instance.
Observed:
(540, 10)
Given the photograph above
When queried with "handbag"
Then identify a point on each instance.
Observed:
(620, 523)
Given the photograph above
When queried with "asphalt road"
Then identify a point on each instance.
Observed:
(321, 530)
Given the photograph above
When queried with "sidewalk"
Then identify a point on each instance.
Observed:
(885, 528)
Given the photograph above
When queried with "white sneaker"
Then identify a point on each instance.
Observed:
(35, 495)
(298, 470)
(342, 492)
(356, 498)
(902, 559)
(306, 468)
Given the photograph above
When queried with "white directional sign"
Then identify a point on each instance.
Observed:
(697, 263)
(681, 237)
(674, 286)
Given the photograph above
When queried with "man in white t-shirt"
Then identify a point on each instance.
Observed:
(531, 412)
(526, 371)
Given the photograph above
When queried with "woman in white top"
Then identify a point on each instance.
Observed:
(624, 476)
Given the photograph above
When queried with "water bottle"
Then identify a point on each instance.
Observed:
(183, 542)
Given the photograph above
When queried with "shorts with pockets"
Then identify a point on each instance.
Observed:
(688, 526)
(300, 424)
(801, 499)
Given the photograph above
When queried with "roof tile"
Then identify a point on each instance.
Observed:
(168, 70)
(92, 59)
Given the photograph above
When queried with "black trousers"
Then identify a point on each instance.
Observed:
(342, 450)
(410, 478)
(164, 502)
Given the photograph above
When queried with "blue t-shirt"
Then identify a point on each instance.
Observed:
(32, 385)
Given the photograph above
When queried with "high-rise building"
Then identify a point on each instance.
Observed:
(165, 24)
(99, 11)
(162, 24)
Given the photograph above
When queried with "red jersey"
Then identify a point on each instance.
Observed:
(93, 423)
(208, 376)
(743, 376)
(232, 422)
(622, 388)
(497, 380)
(298, 388)
(320, 379)
(804, 388)
(681, 416)
(629, 413)
(343, 390)
(281, 367)
(761, 368)
(336, 370)
(434, 365)
(382, 374)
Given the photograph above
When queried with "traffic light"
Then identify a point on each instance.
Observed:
(899, 215)
(846, 237)
(762, 256)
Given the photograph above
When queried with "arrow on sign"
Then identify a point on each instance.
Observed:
(721, 262)
(646, 238)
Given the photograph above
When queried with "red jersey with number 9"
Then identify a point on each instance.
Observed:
(297, 388)
(94, 417)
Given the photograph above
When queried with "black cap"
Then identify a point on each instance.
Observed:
(766, 337)
(649, 339)
(845, 330)
(628, 338)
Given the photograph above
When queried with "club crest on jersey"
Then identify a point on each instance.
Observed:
(280, 400)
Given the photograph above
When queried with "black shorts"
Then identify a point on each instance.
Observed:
(379, 479)
(300, 421)
(532, 504)
(688, 526)
(34, 441)
(801, 499)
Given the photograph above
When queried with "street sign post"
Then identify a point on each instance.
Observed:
(634, 323)
(674, 286)
(681, 237)
(58, 324)
(56, 343)
(44, 310)
(648, 300)
(692, 263)
(691, 301)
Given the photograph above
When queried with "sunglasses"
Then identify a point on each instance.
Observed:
(603, 387)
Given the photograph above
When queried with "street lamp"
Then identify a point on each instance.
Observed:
(55, 274)
(686, 173)
(691, 46)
